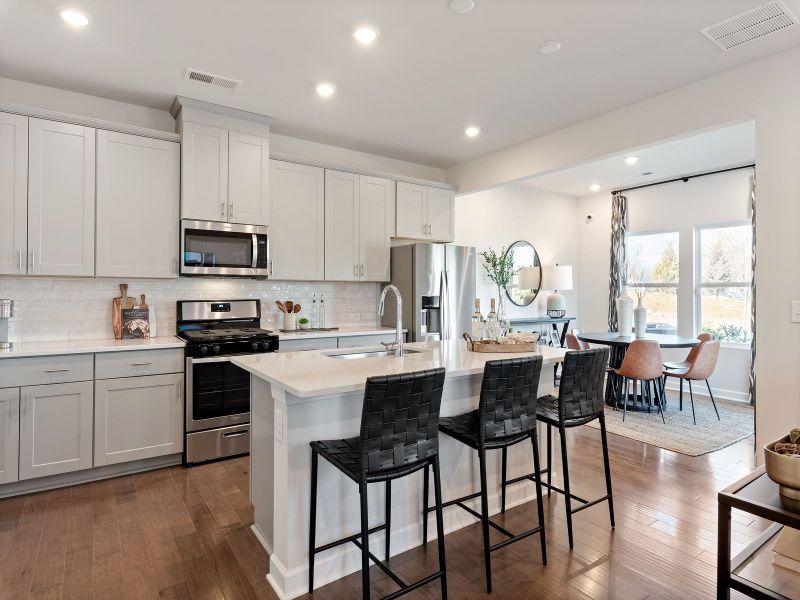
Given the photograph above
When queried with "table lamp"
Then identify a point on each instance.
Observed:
(557, 278)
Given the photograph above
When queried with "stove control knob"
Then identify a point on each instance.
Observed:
(203, 349)
(265, 345)
(215, 348)
(254, 346)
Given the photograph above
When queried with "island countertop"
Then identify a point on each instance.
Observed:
(317, 373)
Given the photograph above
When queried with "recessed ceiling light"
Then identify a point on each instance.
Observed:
(75, 18)
(461, 7)
(326, 90)
(595, 187)
(365, 34)
(550, 47)
(632, 160)
(472, 131)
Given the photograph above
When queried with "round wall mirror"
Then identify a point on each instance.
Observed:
(524, 286)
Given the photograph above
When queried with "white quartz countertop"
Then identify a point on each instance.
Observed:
(56, 347)
(317, 373)
(341, 332)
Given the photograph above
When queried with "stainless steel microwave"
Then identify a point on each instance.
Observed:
(224, 249)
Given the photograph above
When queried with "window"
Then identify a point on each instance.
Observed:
(725, 273)
(653, 268)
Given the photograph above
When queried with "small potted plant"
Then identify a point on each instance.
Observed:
(303, 323)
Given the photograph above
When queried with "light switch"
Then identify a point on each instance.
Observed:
(795, 317)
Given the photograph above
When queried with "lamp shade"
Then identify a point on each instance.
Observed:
(529, 278)
(558, 277)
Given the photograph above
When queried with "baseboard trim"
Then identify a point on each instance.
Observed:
(699, 389)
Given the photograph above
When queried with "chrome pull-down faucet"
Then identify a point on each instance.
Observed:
(397, 345)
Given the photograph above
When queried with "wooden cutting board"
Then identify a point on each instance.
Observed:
(117, 305)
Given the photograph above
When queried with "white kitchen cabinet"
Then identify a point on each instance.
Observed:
(9, 435)
(248, 179)
(13, 194)
(204, 173)
(138, 196)
(55, 429)
(296, 221)
(61, 198)
(424, 213)
(376, 219)
(137, 418)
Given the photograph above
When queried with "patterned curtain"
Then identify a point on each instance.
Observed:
(753, 291)
(619, 228)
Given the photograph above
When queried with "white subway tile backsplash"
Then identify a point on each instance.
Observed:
(80, 308)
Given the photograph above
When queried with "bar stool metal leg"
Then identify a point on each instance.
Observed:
(425, 477)
(388, 513)
(362, 492)
(567, 497)
(539, 500)
(503, 481)
(487, 561)
(437, 491)
(549, 457)
(607, 468)
(313, 521)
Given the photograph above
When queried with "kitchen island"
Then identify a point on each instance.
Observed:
(299, 397)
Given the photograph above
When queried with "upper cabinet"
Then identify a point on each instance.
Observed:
(204, 173)
(296, 221)
(13, 194)
(61, 196)
(248, 179)
(137, 176)
(424, 213)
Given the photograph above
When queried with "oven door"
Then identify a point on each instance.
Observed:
(225, 249)
(217, 393)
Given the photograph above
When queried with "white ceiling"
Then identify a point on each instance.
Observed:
(709, 151)
(410, 96)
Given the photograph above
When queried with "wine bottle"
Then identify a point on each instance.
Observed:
(477, 322)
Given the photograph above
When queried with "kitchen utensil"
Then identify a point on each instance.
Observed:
(126, 301)
(296, 308)
(281, 306)
(117, 305)
(143, 304)
(289, 306)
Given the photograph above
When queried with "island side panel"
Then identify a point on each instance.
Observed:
(262, 470)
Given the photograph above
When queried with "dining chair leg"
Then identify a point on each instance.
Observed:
(567, 498)
(549, 458)
(539, 501)
(437, 494)
(312, 530)
(646, 395)
(503, 481)
(425, 477)
(660, 408)
(691, 398)
(362, 492)
(487, 559)
(624, 398)
(714, 404)
(607, 467)
(388, 513)
(681, 394)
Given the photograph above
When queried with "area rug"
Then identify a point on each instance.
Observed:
(680, 434)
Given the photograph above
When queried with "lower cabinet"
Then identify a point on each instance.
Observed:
(9, 435)
(137, 417)
(55, 429)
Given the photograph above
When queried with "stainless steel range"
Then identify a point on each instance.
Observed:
(218, 392)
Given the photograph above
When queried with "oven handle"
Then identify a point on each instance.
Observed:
(210, 359)
(236, 433)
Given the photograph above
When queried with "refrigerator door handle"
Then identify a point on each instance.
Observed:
(445, 304)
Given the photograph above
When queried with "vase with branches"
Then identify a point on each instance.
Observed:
(500, 270)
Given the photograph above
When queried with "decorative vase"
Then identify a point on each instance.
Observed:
(640, 319)
(502, 317)
(624, 313)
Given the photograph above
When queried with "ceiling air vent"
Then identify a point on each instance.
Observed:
(750, 25)
(211, 79)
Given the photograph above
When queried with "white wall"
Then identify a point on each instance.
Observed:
(497, 218)
(767, 91)
(715, 199)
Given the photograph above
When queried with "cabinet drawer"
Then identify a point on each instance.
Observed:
(37, 370)
(306, 344)
(138, 362)
(365, 340)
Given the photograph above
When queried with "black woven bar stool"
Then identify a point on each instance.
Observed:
(399, 435)
(506, 416)
(580, 400)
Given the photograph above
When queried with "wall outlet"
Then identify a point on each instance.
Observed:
(795, 316)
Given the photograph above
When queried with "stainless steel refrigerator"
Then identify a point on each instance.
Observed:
(437, 283)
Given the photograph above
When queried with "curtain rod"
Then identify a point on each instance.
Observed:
(685, 178)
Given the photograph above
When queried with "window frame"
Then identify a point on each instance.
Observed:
(699, 284)
(652, 285)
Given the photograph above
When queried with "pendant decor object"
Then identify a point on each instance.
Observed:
(624, 313)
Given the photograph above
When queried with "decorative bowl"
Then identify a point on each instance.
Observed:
(783, 470)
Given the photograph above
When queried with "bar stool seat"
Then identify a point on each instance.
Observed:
(465, 428)
(345, 455)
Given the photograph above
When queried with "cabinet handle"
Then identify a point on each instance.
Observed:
(269, 270)
(355, 270)
(19, 252)
(234, 434)
(222, 210)
(33, 261)
(56, 370)
(142, 364)
(230, 211)
(361, 271)
(24, 404)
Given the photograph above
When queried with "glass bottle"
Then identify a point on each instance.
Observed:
(477, 321)
(492, 329)
(322, 324)
(314, 313)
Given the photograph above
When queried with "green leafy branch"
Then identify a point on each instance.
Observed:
(499, 266)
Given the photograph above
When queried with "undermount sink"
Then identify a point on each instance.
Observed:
(369, 354)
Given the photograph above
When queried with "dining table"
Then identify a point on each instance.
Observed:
(618, 345)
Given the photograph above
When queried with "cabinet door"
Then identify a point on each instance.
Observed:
(13, 194)
(248, 179)
(342, 257)
(297, 221)
(137, 417)
(138, 193)
(61, 194)
(9, 435)
(412, 203)
(204, 173)
(55, 429)
(375, 221)
(440, 214)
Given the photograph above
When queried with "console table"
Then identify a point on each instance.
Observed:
(539, 321)
(751, 572)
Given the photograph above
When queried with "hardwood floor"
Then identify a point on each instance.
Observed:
(184, 534)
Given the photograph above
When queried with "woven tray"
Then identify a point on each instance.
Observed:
(495, 348)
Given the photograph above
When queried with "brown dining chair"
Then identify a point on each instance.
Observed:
(685, 364)
(700, 368)
(575, 343)
(642, 364)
